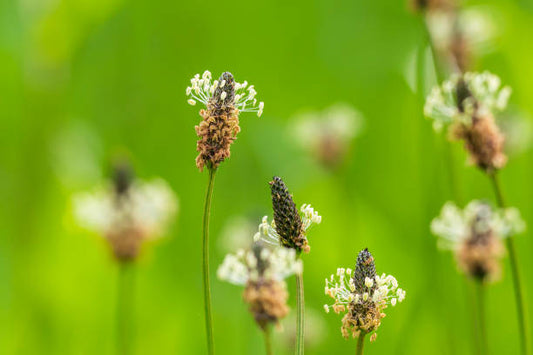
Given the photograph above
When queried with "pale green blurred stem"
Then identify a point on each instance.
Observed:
(360, 343)
(519, 297)
(205, 260)
(480, 300)
(268, 340)
(300, 305)
(125, 291)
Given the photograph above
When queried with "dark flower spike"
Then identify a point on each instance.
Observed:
(290, 226)
(362, 296)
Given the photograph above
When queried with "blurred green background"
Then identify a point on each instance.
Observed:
(81, 79)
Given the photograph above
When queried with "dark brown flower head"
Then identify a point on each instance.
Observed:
(364, 268)
(431, 5)
(286, 217)
(123, 176)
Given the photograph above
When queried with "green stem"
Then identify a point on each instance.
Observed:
(519, 297)
(205, 259)
(268, 340)
(125, 290)
(480, 300)
(300, 305)
(360, 343)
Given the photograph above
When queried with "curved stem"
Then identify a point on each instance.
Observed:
(125, 289)
(268, 340)
(205, 259)
(300, 305)
(360, 343)
(480, 293)
(519, 297)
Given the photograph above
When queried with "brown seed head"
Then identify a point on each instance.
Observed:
(364, 268)
(267, 300)
(220, 125)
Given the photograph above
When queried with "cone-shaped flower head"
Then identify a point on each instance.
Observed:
(262, 271)
(475, 235)
(224, 99)
(467, 104)
(126, 211)
(362, 295)
(290, 226)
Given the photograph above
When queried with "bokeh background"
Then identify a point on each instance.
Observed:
(83, 79)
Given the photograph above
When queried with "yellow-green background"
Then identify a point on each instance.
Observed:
(82, 79)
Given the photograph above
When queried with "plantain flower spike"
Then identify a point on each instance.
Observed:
(224, 99)
(362, 296)
(467, 103)
(290, 226)
(126, 211)
(475, 235)
(262, 271)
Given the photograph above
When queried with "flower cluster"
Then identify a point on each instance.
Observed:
(262, 271)
(467, 102)
(126, 213)
(224, 99)
(242, 95)
(327, 135)
(363, 295)
(289, 227)
(475, 235)
(457, 99)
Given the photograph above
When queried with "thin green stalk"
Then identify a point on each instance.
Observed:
(519, 297)
(125, 290)
(268, 340)
(300, 305)
(205, 259)
(360, 343)
(480, 300)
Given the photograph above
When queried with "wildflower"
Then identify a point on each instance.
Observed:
(262, 271)
(467, 104)
(475, 235)
(289, 227)
(327, 135)
(224, 99)
(126, 212)
(362, 295)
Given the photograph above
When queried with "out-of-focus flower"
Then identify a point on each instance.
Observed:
(467, 103)
(475, 235)
(224, 99)
(289, 227)
(237, 233)
(328, 135)
(362, 296)
(126, 212)
(262, 271)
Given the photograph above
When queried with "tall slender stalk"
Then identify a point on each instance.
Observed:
(519, 297)
(300, 305)
(125, 291)
(205, 260)
(268, 340)
(480, 298)
(360, 343)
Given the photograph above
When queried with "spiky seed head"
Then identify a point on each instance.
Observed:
(364, 268)
(286, 217)
(224, 94)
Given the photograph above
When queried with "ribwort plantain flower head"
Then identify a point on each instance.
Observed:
(475, 235)
(262, 271)
(328, 135)
(224, 99)
(362, 296)
(466, 104)
(126, 211)
(290, 226)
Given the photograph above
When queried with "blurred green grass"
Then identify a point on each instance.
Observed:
(82, 79)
